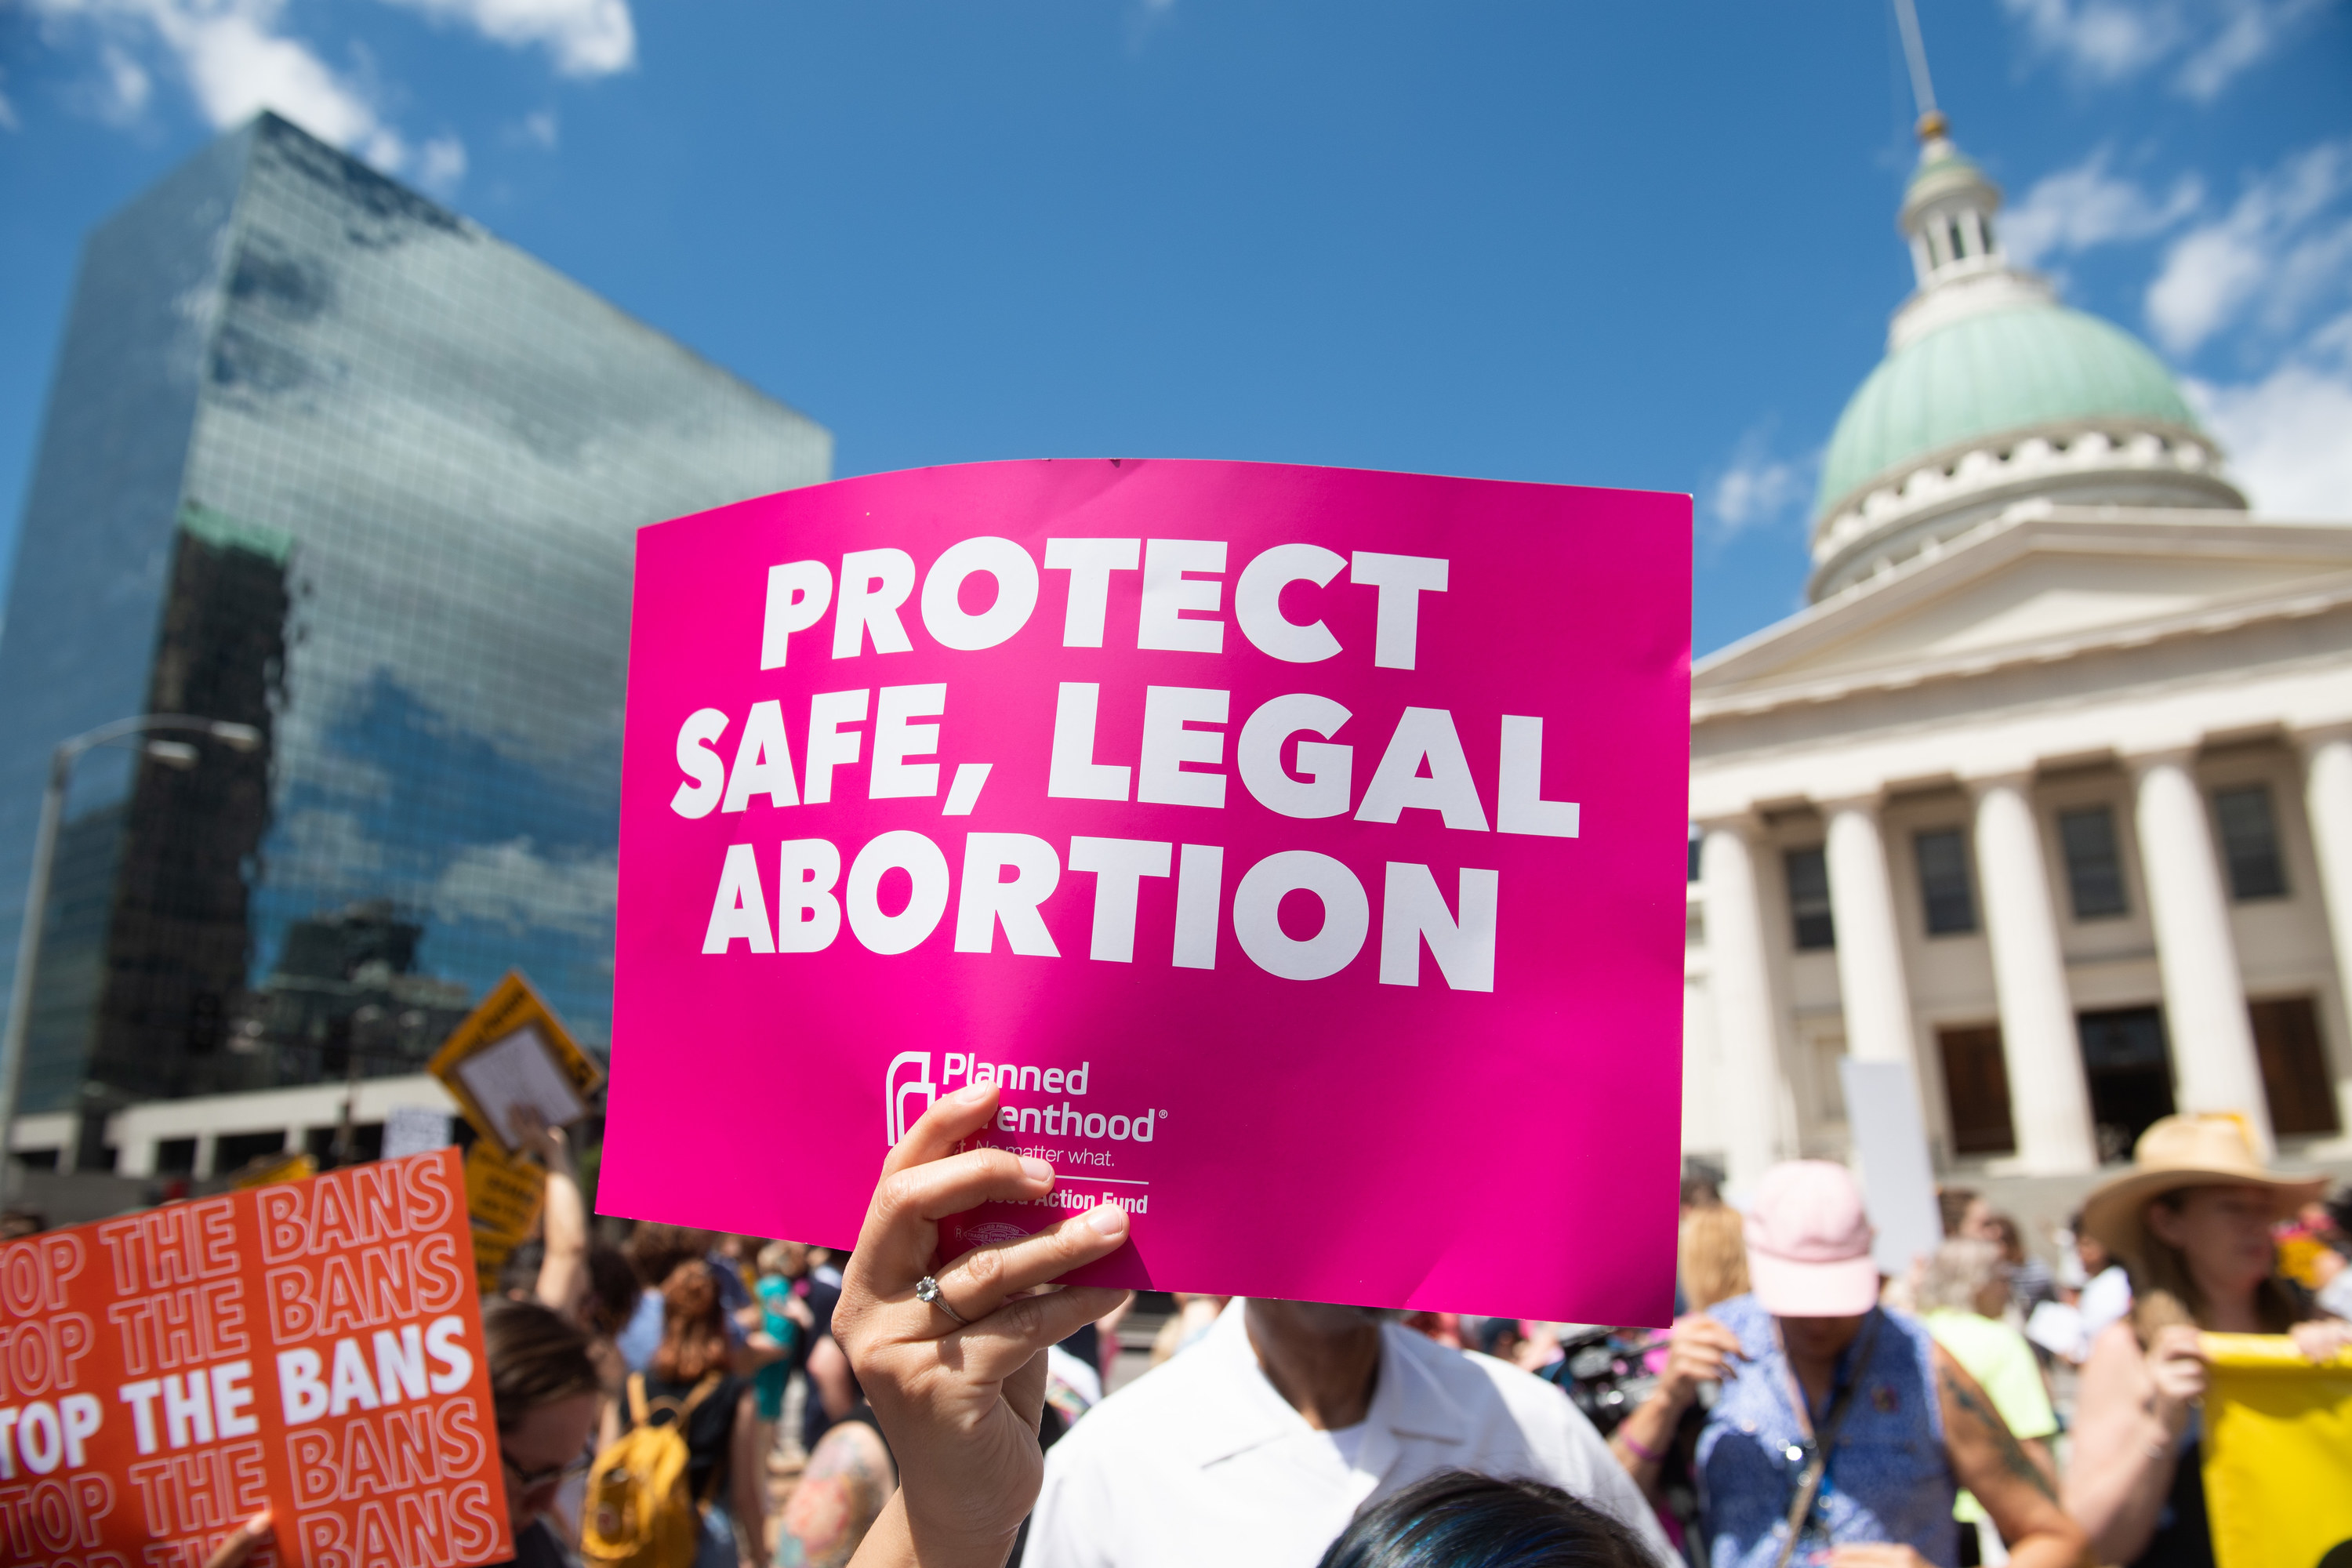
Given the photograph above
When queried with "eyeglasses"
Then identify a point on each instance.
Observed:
(532, 1480)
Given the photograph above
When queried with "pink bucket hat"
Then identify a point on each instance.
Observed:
(1809, 1243)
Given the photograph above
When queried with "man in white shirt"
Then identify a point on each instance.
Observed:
(1254, 1447)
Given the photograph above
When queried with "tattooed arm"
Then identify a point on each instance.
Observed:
(1991, 1463)
(840, 1496)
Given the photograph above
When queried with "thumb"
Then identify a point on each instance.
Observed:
(1025, 1391)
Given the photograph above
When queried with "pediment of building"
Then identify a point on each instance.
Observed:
(2038, 584)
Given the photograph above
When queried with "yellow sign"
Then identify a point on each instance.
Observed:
(255, 1172)
(2278, 1453)
(503, 1193)
(490, 1255)
(513, 1051)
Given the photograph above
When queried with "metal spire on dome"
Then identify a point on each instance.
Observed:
(1932, 124)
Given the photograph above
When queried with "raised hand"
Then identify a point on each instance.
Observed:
(957, 1386)
(2177, 1370)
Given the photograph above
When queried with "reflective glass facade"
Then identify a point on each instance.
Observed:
(328, 459)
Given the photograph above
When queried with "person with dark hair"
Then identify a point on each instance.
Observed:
(545, 1396)
(2031, 1283)
(690, 1379)
(654, 1251)
(2190, 1222)
(1456, 1518)
(611, 1294)
(1956, 1207)
(2106, 1295)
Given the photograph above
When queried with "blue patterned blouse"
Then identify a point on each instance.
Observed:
(1889, 1477)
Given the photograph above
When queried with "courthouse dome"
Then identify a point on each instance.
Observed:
(1992, 392)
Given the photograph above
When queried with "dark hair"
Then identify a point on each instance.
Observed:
(612, 1287)
(694, 1335)
(1458, 1520)
(655, 1251)
(1495, 1331)
(1952, 1206)
(536, 1359)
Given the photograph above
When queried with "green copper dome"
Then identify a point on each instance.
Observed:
(2004, 370)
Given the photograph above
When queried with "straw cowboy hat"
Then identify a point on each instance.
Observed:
(2179, 1151)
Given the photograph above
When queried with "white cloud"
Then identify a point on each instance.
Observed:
(441, 165)
(236, 58)
(2289, 435)
(542, 129)
(584, 38)
(1758, 488)
(2251, 31)
(328, 849)
(2077, 208)
(236, 62)
(2099, 38)
(2105, 41)
(128, 87)
(2280, 247)
(8, 120)
(512, 885)
(1143, 18)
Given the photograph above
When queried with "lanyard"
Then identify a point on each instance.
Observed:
(1841, 1392)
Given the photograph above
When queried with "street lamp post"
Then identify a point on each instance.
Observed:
(174, 754)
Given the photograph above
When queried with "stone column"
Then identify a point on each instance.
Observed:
(2048, 1103)
(2327, 806)
(1869, 945)
(2213, 1063)
(1747, 1043)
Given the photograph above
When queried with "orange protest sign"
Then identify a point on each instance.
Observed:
(2278, 1447)
(513, 1051)
(313, 1347)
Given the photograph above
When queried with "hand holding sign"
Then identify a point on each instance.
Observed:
(1249, 829)
(536, 1136)
(960, 1399)
(255, 1534)
(513, 1053)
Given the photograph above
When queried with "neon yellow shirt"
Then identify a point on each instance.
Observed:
(1998, 1357)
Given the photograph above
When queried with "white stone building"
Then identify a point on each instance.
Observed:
(2048, 792)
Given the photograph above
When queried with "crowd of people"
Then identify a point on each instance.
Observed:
(1802, 1409)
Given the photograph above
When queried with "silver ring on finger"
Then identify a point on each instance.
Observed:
(926, 1290)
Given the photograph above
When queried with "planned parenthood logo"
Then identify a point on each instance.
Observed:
(908, 1075)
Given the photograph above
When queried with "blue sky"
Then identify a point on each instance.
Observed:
(1647, 246)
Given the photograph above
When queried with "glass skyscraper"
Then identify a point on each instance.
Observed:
(325, 459)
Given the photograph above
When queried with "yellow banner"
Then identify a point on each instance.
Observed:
(2278, 1453)
(503, 1193)
(294, 1167)
(490, 1255)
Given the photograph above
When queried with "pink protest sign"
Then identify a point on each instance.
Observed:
(1301, 851)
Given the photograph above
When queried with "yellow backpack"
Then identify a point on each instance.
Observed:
(639, 1512)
